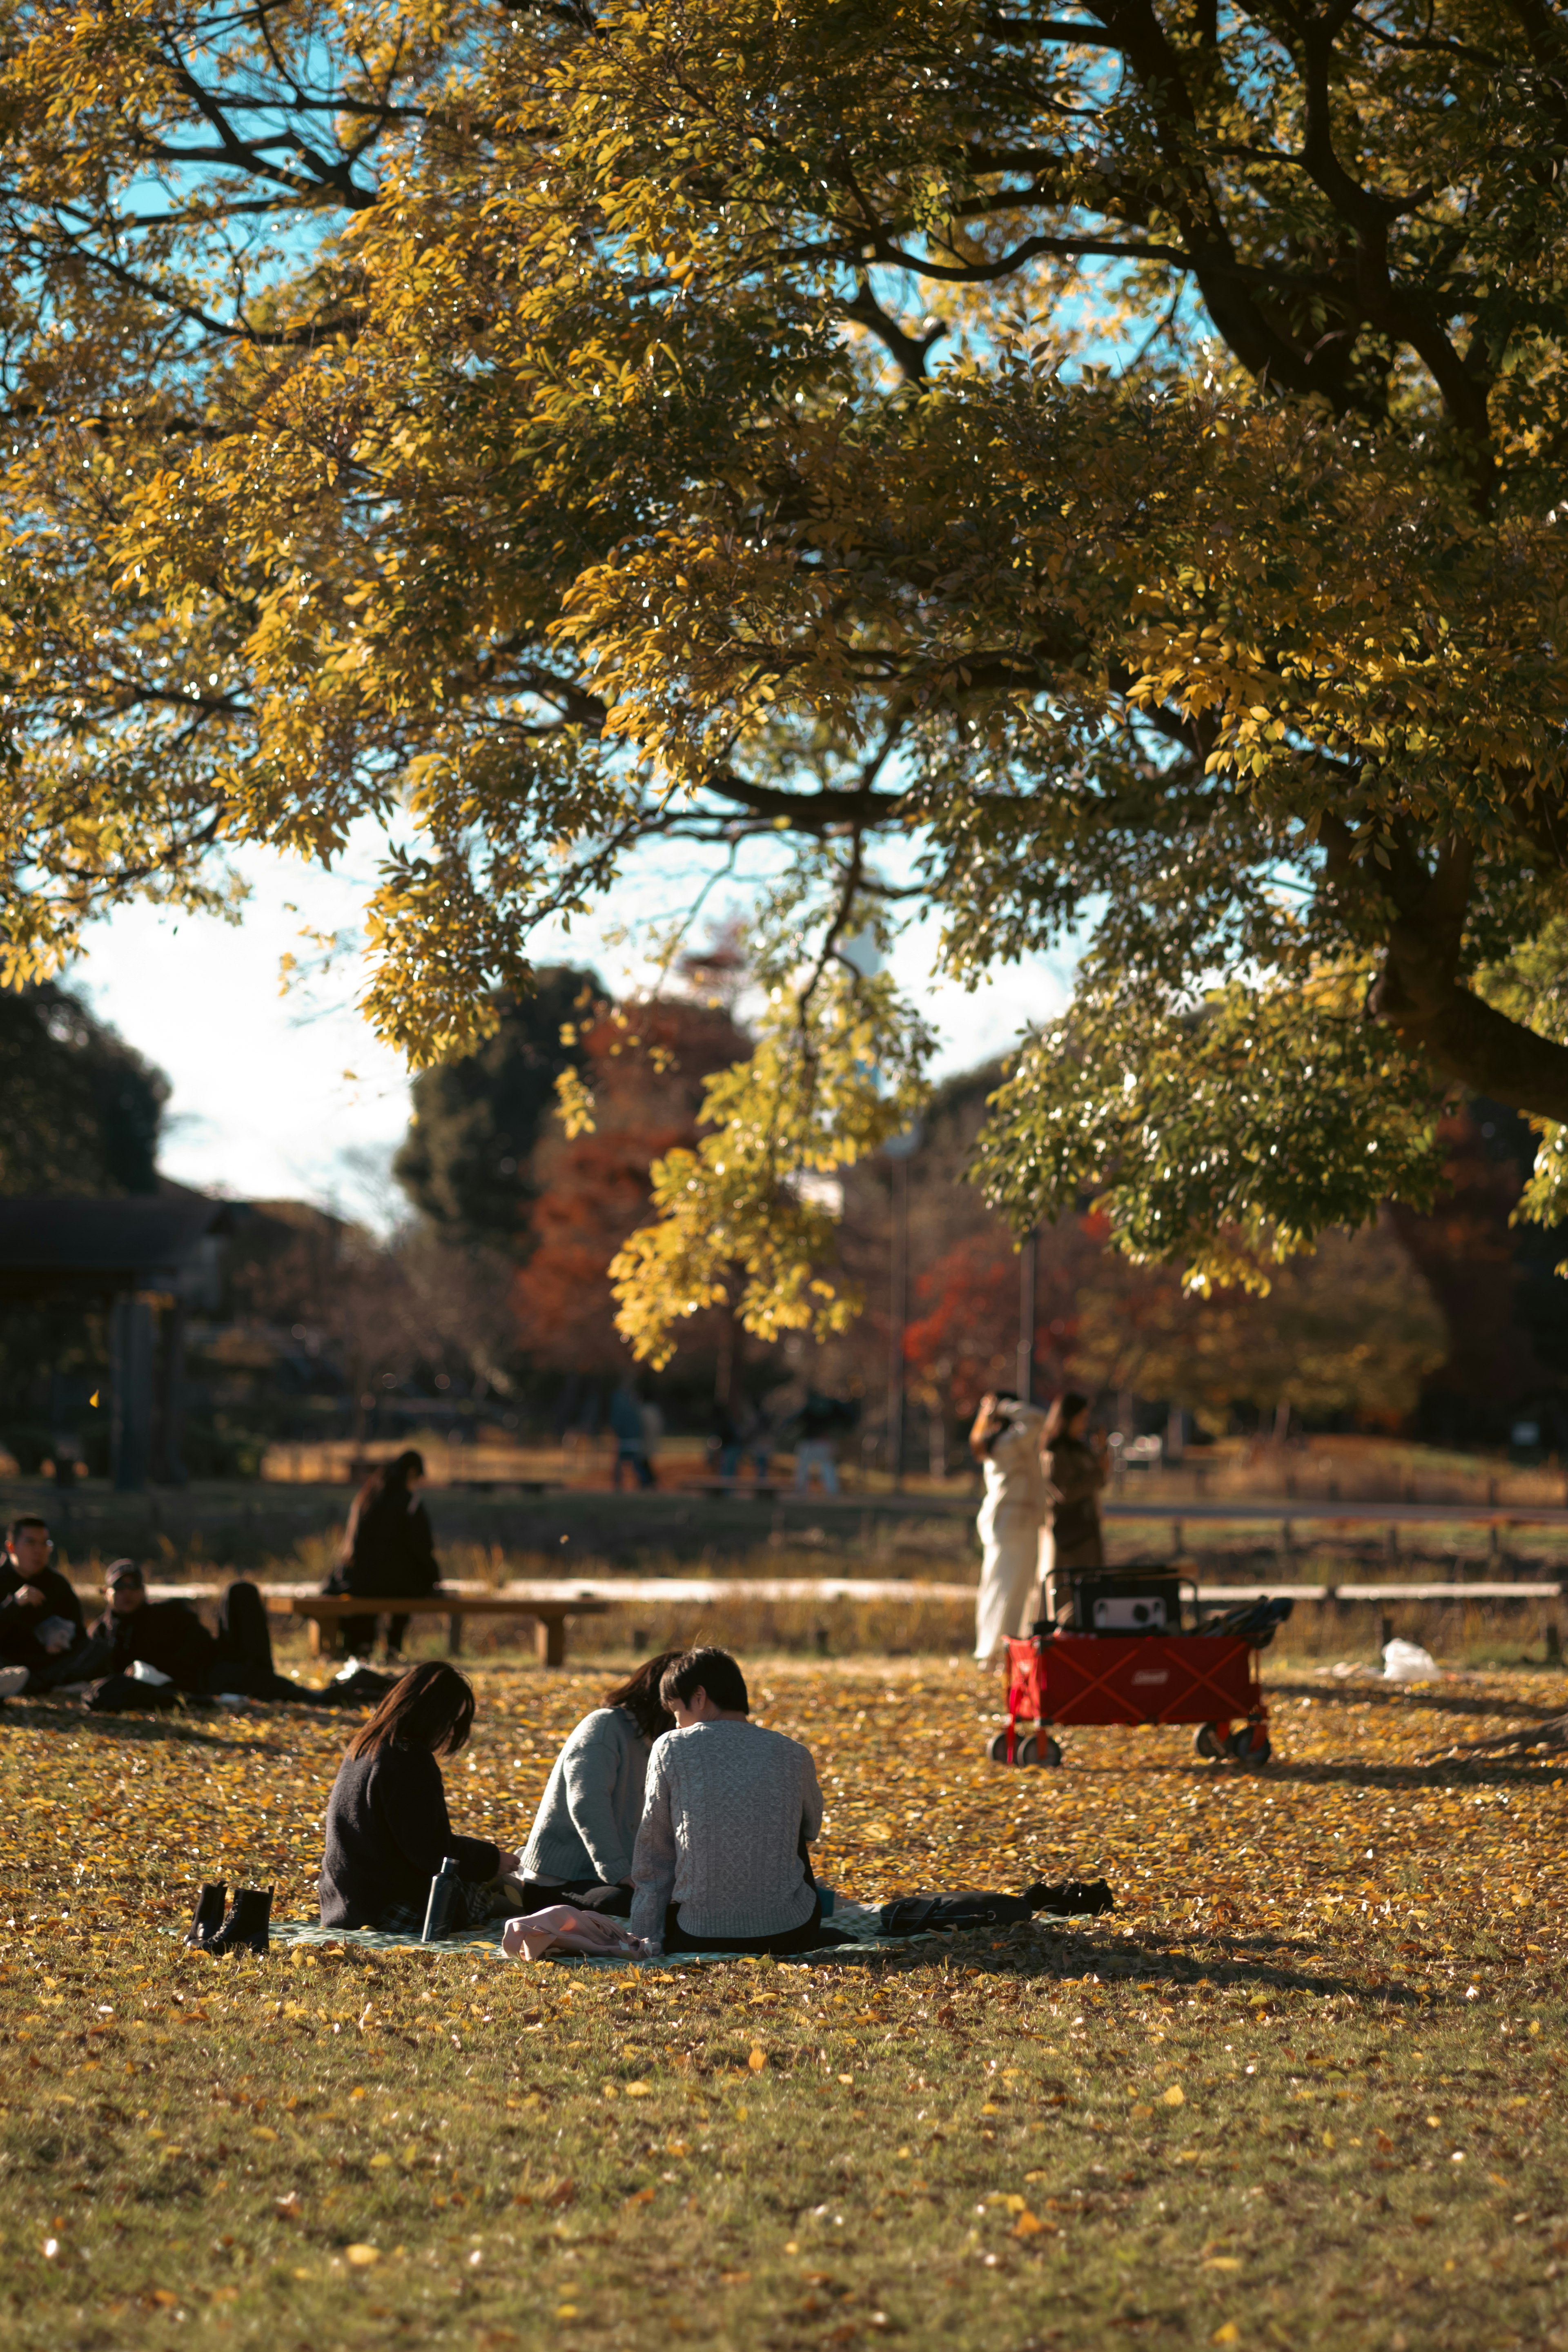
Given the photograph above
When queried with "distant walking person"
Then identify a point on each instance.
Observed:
(628, 1426)
(758, 1441)
(1076, 1469)
(1006, 1441)
(727, 1442)
(388, 1553)
(818, 1424)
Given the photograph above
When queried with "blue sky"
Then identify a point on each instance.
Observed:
(291, 1096)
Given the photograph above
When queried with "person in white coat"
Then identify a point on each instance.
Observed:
(1006, 1441)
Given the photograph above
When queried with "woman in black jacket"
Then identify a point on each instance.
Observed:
(388, 1552)
(388, 1831)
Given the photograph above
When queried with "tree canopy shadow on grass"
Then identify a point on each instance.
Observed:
(1417, 1695)
(1218, 1960)
(139, 1730)
(1447, 1771)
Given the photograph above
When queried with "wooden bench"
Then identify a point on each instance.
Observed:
(326, 1610)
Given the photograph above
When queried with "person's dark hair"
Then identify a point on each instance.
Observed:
(713, 1671)
(1063, 1414)
(25, 1520)
(987, 1444)
(387, 1475)
(639, 1695)
(432, 1706)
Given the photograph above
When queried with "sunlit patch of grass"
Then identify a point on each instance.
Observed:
(1303, 2085)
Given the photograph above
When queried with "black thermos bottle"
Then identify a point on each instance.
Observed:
(442, 1901)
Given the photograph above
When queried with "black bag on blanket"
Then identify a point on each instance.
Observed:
(923, 1915)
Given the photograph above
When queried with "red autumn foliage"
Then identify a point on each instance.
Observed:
(646, 1064)
(963, 1338)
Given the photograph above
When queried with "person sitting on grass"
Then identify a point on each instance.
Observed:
(169, 1636)
(41, 1632)
(719, 1863)
(388, 1831)
(581, 1844)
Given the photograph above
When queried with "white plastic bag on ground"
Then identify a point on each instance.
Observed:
(1407, 1662)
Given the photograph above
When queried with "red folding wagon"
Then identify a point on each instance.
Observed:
(1207, 1678)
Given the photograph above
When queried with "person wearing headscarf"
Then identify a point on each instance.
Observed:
(1006, 1441)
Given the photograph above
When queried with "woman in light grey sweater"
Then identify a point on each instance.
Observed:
(586, 1825)
(720, 1861)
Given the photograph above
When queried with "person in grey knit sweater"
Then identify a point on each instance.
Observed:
(720, 1863)
(581, 1844)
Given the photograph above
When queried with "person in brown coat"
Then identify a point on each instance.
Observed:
(1075, 1467)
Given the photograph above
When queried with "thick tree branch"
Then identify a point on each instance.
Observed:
(1466, 1041)
(909, 351)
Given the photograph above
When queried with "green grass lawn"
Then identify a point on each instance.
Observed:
(1302, 2088)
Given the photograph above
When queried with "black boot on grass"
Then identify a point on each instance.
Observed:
(245, 1929)
(209, 1916)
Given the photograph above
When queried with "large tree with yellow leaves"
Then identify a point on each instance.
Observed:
(1089, 472)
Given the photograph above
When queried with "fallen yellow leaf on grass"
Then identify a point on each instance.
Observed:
(380, 2163)
(1222, 2263)
(757, 2061)
(639, 2089)
(1229, 2334)
(263, 2131)
(1029, 2225)
(361, 2257)
(1174, 2097)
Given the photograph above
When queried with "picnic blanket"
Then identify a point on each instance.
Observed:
(859, 1921)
